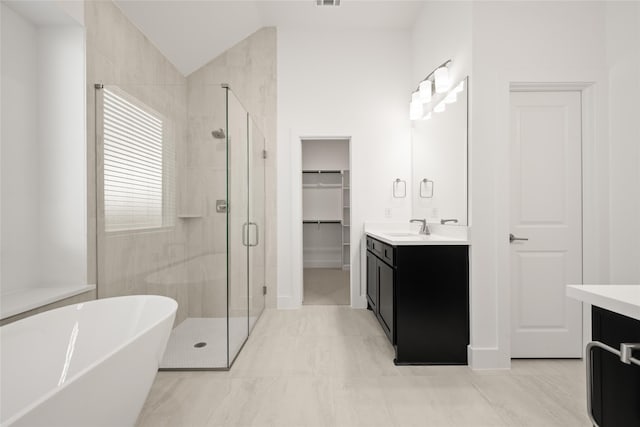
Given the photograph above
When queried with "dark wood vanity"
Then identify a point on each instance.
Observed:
(616, 385)
(420, 296)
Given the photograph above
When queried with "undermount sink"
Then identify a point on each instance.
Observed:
(399, 236)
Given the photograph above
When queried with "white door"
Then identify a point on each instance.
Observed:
(546, 209)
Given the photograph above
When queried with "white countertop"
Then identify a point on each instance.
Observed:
(621, 299)
(405, 234)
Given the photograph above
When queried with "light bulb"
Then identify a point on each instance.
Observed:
(441, 77)
(439, 108)
(415, 97)
(425, 91)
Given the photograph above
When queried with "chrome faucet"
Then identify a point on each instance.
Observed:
(425, 228)
(444, 221)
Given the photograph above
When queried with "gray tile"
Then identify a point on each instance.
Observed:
(332, 366)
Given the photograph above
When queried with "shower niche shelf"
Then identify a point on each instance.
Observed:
(189, 215)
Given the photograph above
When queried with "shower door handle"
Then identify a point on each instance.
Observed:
(257, 234)
(245, 242)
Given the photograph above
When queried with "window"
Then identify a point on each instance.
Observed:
(138, 165)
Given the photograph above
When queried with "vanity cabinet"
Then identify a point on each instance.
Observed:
(616, 386)
(420, 296)
(386, 308)
(380, 284)
(372, 281)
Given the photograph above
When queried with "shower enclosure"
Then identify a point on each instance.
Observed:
(180, 202)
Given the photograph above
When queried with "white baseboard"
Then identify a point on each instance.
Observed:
(287, 303)
(481, 358)
(359, 302)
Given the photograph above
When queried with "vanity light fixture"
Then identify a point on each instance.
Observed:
(439, 80)
(442, 81)
(440, 107)
(425, 90)
(451, 97)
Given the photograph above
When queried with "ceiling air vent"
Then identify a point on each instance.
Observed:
(327, 2)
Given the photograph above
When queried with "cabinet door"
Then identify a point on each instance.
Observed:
(616, 386)
(372, 281)
(385, 298)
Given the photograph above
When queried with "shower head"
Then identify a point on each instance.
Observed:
(218, 134)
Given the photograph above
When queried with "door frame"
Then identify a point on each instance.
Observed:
(297, 261)
(588, 180)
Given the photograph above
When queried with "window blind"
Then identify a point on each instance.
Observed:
(137, 173)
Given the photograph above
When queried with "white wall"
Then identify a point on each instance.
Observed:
(442, 31)
(623, 63)
(61, 138)
(511, 45)
(74, 9)
(341, 84)
(325, 154)
(19, 152)
(43, 151)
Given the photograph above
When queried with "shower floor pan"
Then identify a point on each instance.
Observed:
(200, 343)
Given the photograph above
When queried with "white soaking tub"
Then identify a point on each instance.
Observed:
(89, 364)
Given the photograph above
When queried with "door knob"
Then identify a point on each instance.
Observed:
(513, 238)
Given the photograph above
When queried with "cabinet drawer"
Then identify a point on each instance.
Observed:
(383, 250)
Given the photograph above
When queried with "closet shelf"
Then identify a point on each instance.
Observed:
(321, 171)
(189, 215)
(321, 186)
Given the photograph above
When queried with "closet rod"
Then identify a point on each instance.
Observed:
(321, 221)
(321, 171)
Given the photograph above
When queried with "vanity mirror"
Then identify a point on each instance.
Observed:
(439, 160)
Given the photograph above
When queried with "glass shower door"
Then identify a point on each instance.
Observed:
(257, 224)
(238, 227)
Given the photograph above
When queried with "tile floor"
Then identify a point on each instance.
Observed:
(326, 286)
(332, 366)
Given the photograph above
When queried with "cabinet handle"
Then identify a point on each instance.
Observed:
(625, 357)
(245, 241)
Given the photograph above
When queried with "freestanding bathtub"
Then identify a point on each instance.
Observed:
(89, 364)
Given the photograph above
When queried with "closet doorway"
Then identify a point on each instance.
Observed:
(326, 218)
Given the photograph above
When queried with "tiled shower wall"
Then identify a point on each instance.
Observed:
(249, 68)
(134, 262)
(185, 262)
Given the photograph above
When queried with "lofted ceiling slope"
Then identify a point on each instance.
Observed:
(190, 33)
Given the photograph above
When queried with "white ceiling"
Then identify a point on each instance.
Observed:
(190, 33)
(40, 13)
